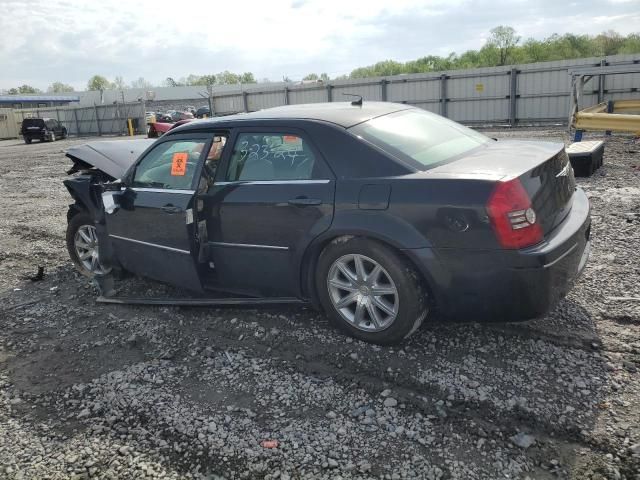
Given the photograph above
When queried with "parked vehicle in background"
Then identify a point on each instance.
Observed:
(191, 109)
(376, 213)
(175, 116)
(43, 129)
(158, 129)
(163, 118)
(202, 112)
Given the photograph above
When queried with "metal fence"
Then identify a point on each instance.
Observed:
(516, 94)
(509, 95)
(519, 94)
(96, 120)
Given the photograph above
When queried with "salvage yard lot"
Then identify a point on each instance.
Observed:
(105, 391)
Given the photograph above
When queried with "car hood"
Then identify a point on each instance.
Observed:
(113, 157)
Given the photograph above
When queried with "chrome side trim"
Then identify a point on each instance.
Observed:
(273, 182)
(162, 190)
(140, 242)
(248, 245)
(561, 256)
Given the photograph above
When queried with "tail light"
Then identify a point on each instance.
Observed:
(512, 216)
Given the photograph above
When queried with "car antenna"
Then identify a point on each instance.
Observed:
(355, 103)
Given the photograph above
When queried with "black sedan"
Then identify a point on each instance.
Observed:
(376, 213)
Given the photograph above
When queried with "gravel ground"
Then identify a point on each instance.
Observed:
(104, 391)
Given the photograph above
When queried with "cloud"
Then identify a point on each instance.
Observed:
(71, 40)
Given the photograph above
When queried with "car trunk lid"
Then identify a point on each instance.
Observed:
(543, 169)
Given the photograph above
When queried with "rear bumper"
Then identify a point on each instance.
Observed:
(508, 285)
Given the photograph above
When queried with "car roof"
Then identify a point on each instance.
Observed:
(344, 114)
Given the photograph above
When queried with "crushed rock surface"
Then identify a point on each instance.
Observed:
(91, 390)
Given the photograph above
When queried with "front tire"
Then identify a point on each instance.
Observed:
(82, 244)
(52, 137)
(370, 291)
(27, 141)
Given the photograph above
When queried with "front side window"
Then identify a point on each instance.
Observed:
(424, 138)
(270, 156)
(170, 165)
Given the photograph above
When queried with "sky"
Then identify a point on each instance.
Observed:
(42, 41)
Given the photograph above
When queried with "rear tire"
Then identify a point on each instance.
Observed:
(82, 245)
(349, 273)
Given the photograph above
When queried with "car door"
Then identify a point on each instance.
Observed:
(273, 196)
(152, 230)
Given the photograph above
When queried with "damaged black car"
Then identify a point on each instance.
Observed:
(379, 214)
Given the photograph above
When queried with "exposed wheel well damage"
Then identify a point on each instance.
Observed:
(311, 256)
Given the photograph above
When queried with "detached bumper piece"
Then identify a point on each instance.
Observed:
(585, 157)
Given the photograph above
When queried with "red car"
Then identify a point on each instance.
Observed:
(158, 129)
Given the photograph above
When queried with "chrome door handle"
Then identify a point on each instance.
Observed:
(171, 209)
(304, 201)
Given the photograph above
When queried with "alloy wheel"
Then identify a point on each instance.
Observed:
(86, 245)
(363, 292)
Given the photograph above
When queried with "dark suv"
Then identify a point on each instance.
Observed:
(43, 129)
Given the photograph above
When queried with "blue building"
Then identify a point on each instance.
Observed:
(37, 101)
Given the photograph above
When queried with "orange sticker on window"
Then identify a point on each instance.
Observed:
(179, 164)
(291, 139)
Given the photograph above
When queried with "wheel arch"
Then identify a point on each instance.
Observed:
(315, 249)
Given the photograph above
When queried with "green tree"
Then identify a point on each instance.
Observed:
(98, 82)
(311, 76)
(203, 80)
(24, 89)
(609, 43)
(247, 77)
(505, 40)
(227, 78)
(59, 87)
(631, 44)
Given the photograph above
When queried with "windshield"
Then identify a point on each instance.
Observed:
(33, 122)
(423, 137)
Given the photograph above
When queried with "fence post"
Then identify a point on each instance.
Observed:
(245, 102)
(329, 93)
(383, 89)
(286, 95)
(95, 108)
(513, 94)
(601, 80)
(443, 95)
(75, 116)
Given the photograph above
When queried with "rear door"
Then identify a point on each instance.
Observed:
(275, 194)
(152, 231)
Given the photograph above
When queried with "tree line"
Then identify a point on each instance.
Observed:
(503, 47)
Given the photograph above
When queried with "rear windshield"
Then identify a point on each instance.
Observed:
(423, 138)
(33, 122)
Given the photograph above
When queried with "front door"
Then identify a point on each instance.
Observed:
(272, 199)
(152, 230)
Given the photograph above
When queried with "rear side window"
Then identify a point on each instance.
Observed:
(169, 165)
(33, 123)
(423, 138)
(270, 156)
